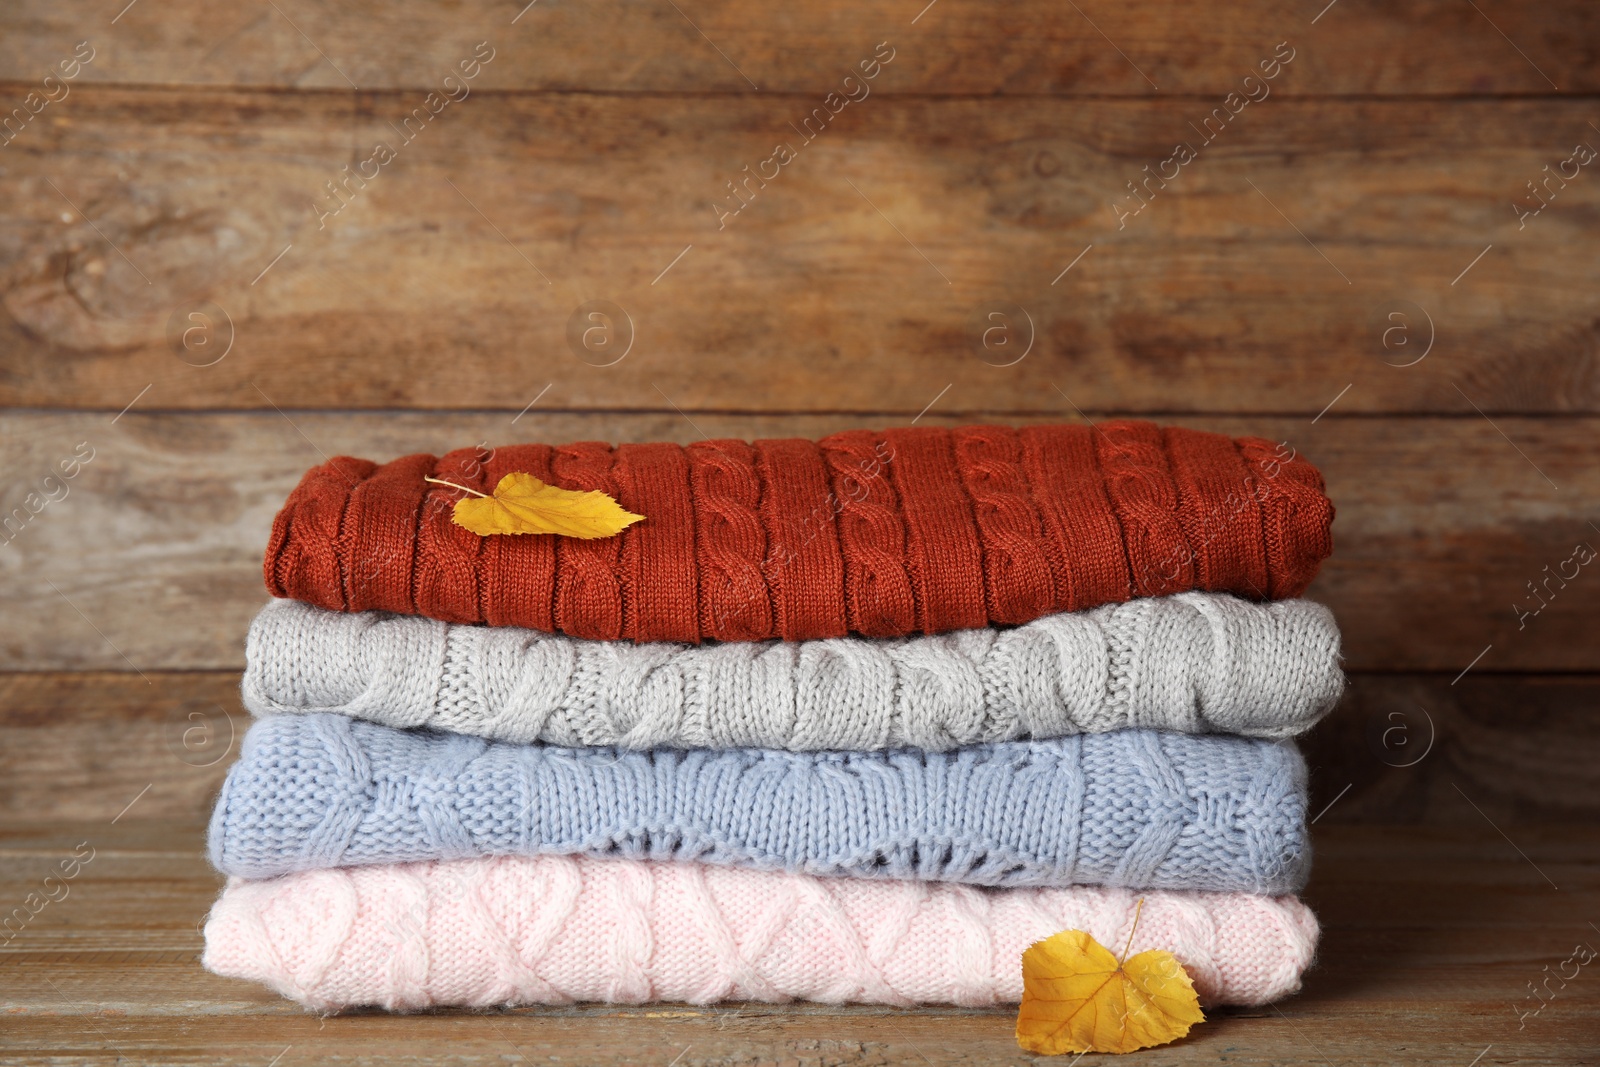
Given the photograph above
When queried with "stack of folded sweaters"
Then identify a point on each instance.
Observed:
(849, 720)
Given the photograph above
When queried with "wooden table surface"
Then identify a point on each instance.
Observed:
(1383, 254)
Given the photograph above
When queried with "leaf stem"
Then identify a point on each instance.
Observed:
(453, 485)
(1136, 910)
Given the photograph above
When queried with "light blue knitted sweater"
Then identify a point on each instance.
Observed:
(1134, 808)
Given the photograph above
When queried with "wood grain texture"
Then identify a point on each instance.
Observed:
(155, 552)
(1359, 46)
(863, 277)
(1400, 748)
(93, 746)
(856, 287)
(1430, 937)
(1489, 750)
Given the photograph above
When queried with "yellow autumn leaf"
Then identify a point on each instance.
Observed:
(522, 504)
(1078, 997)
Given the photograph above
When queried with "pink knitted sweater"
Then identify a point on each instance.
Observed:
(550, 930)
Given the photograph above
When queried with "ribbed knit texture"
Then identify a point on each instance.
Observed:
(1136, 808)
(1194, 662)
(481, 933)
(911, 530)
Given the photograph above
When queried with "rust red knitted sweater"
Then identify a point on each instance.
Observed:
(882, 534)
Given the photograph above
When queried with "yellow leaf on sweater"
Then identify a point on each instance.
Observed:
(1078, 997)
(522, 504)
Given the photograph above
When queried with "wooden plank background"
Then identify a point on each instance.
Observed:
(860, 279)
(1353, 264)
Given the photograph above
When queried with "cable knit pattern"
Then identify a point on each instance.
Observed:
(1144, 496)
(1135, 808)
(1018, 574)
(934, 530)
(513, 568)
(588, 583)
(1208, 469)
(1195, 662)
(872, 534)
(723, 479)
(1296, 512)
(447, 553)
(553, 930)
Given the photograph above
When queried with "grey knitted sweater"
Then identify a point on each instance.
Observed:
(1194, 663)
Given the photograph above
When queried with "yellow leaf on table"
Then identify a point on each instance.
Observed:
(1078, 997)
(522, 504)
